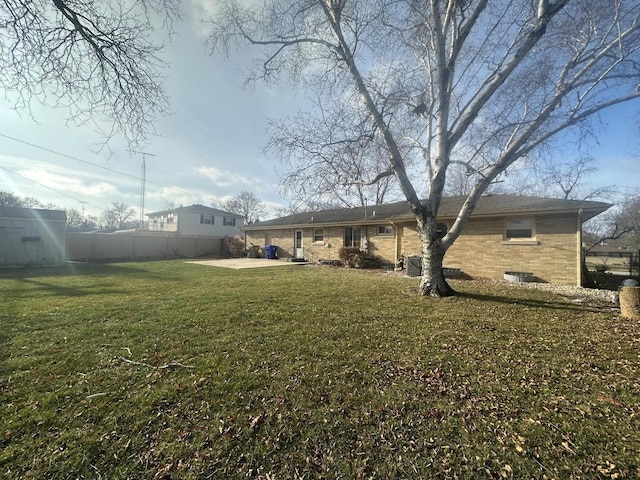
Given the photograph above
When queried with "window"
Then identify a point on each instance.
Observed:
(318, 235)
(229, 221)
(207, 220)
(521, 228)
(385, 230)
(352, 237)
(170, 218)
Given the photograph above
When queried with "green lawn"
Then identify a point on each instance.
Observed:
(173, 370)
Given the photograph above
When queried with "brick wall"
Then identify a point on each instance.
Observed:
(480, 251)
(380, 245)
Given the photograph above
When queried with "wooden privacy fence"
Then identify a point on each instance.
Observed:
(139, 245)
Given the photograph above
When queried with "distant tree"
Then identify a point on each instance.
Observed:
(551, 177)
(309, 206)
(76, 221)
(117, 217)
(477, 83)
(96, 58)
(74, 218)
(620, 223)
(9, 199)
(246, 204)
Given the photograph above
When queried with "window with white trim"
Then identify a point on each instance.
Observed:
(385, 230)
(318, 235)
(519, 229)
(352, 237)
(229, 221)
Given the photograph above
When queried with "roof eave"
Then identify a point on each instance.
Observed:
(587, 213)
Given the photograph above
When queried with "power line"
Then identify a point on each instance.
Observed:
(52, 189)
(98, 166)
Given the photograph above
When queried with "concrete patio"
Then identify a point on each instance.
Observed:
(242, 263)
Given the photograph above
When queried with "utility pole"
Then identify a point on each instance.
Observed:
(143, 182)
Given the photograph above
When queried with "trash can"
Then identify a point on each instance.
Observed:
(414, 266)
(272, 252)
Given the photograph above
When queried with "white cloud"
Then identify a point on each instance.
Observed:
(65, 183)
(225, 178)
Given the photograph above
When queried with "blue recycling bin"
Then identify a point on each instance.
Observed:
(272, 252)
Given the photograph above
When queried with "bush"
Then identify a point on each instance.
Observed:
(353, 257)
(236, 247)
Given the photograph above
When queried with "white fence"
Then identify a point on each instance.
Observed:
(140, 245)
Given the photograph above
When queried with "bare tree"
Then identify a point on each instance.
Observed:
(308, 206)
(75, 219)
(118, 216)
(621, 222)
(549, 177)
(9, 199)
(245, 204)
(443, 82)
(95, 58)
(339, 143)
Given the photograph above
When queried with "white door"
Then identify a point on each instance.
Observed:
(297, 245)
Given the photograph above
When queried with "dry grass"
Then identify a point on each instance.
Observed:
(171, 370)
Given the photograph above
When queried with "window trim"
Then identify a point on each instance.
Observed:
(357, 244)
(519, 240)
(315, 235)
(228, 221)
(385, 234)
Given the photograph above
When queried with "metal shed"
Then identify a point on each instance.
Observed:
(31, 236)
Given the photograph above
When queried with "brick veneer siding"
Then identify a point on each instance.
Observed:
(380, 245)
(480, 251)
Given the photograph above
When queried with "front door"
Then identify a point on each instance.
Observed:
(297, 245)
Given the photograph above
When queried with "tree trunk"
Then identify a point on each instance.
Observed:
(433, 283)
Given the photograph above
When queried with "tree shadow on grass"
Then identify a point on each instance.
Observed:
(37, 279)
(553, 302)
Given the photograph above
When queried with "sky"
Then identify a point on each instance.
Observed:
(210, 147)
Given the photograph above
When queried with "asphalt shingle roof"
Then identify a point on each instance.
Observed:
(488, 205)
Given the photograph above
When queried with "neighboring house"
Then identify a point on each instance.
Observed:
(30, 236)
(196, 220)
(505, 233)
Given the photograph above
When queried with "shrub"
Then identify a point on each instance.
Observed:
(349, 256)
(353, 257)
(236, 247)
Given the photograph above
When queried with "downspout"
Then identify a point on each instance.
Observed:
(396, 242)
(579, 249)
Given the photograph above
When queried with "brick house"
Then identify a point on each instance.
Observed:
(505, 233)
